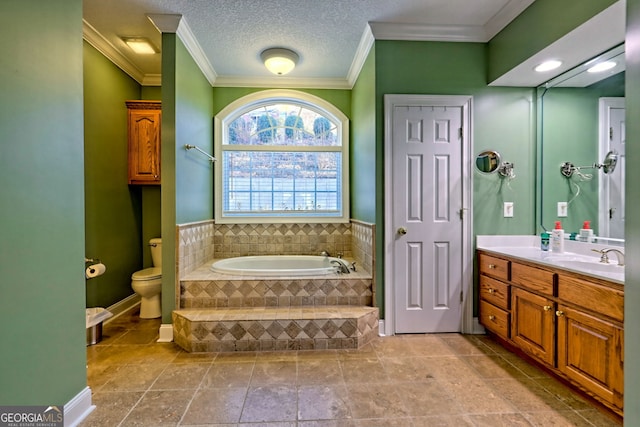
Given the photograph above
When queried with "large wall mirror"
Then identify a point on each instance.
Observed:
(580, 120)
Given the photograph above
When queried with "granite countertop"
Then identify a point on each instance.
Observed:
(578, 257)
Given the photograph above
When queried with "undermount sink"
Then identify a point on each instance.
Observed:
(591, 266)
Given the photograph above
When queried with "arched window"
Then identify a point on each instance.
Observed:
(282, 157)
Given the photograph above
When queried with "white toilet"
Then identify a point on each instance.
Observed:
(148, 283)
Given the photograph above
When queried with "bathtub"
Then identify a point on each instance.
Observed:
(277, 265)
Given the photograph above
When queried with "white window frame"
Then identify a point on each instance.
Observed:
(249, 102)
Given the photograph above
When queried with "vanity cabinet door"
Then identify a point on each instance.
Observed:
(590, 352)
(533, 324)
(144, 118)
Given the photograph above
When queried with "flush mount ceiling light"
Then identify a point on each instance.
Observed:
(548, 65)
(603, 66)
(279, 61)
(140, 45)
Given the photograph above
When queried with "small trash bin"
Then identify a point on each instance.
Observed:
(95, 317)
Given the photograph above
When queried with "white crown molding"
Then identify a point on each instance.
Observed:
(504, 16)
(364, 47)
(198, 55)
(282, 82)
(152, 80)
(102, 45)
(165, 22)
(420, 32)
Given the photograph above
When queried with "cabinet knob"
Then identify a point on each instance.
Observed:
(559, 313)
(492, 317)
(491, 291)
(492, 266)
(547, 307)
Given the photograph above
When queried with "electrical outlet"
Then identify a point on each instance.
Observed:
(508, 209)
(562, 209)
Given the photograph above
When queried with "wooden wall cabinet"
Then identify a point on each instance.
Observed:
(144, 122)
(571, 323)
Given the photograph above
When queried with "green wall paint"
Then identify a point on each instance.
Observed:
(223, 96)
(363, 145)
(503, 120)
(187, 178)
(42, 319)
(194, 125)
(113, 209)
(632, 226)
(520, 39)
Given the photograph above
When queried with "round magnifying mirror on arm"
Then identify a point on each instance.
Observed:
(488, 161)
(610, 162)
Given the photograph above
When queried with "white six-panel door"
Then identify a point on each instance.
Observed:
(426, 239)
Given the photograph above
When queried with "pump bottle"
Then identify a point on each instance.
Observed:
(557, 238)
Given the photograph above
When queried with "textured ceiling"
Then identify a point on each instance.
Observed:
(327, 34)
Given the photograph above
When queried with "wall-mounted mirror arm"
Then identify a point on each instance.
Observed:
(567, 169)
(505, 170)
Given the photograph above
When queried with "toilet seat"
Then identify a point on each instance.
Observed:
(147, 274)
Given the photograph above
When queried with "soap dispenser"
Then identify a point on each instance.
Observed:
(586, 233)
(557, 238)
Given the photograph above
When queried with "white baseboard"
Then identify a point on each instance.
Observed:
(78, 408)
(381, 328)
(123, 306)
(477, 327)
(165, 333)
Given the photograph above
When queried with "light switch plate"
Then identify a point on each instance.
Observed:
(562, 209)
(508, 209)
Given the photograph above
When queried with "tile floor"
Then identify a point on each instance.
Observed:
(410, 380)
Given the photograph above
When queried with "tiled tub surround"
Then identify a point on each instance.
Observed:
(220, 312)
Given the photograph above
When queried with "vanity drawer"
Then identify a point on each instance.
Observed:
(532, 278)
(492, 266)
(592, 296)
(495, 292)
(494, 319)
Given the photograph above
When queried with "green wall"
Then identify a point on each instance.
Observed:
(632, 228)
(187, 178)
(538, 26)
(42, 318)
(503, 120)
(364, 196)
(113, 209)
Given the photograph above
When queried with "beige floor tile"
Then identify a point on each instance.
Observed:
(422, 398)
(464, 344)
(134, 378)
(272, 373)
(443, 421)
(375, 400)
(527, 396)
(493, 366)
(475, 396)
(556, 419)
(111, 408)
(499, 420)
(599, 419)
(181, 376)
(363, 370)
(216, 406)
(270, 403)
(319, 371)
(323, 402)
(228, 374)
(159, 408)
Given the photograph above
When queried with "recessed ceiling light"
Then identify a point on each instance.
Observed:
(603, 66)
(140, 45)
(548, 65)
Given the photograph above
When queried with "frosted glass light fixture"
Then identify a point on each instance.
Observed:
(548, 65)
(140, 45)
(279, 61)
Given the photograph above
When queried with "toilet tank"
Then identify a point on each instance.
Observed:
(156, 251)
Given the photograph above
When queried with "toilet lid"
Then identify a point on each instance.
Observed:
(147, 274)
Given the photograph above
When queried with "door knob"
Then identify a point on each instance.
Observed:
(402, 231)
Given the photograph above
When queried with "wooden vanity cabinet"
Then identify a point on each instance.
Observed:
(571, 323)
(495, 298)
(144, 119)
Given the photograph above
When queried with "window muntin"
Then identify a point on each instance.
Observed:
(283, 159)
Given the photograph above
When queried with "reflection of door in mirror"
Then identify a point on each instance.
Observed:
(612, 138)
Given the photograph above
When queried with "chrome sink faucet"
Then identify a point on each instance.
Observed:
(604, 258)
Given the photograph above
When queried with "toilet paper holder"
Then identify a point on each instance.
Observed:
(92, 260)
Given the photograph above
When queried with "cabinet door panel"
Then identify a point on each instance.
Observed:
(590, 353)
(533, 324)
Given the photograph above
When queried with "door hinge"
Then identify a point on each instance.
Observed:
(611, 132)
(461, 296)
(461, 212)
(460, 132)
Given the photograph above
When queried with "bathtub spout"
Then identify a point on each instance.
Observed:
(324, 253)
(342, 268)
